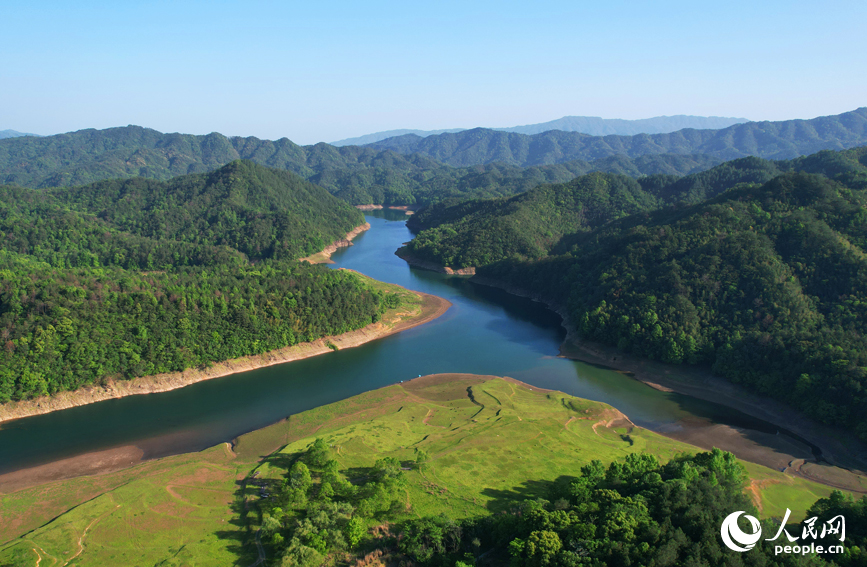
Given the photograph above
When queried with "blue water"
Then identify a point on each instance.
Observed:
(487, 331)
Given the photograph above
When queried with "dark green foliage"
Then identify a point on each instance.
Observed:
(259, 211)
(316, 511)
(635, 512)
(357, 175)
(773, 140)
(855, 515)
(477, 233)
(63, 329)
(766, 283)
(132, 278)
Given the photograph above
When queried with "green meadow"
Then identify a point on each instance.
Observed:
(492, 442)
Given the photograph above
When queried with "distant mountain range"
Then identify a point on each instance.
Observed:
(592, 125)
(13, 134)
(491, 163)
(359, 175)
(771, 140)
(377, 136)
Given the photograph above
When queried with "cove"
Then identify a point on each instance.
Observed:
(487, 331)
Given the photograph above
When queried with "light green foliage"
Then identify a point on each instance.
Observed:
(492, 460)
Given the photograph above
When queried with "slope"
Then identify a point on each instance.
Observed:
(773, 140)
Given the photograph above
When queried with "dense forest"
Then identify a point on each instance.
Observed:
(771, 140)
(632, 512)
(357, 175)
(765, 282)
(137, 277)
(475, 232)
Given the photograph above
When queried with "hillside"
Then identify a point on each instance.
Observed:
(131, 278)
(253, 209)
(473, 233)
(359, 176)
(771, 140)
(765, 282)
(440, 451)
(480, 232)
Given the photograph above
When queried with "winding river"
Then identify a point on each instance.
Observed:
(487, 331)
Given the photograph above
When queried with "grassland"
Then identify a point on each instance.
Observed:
(492, 442)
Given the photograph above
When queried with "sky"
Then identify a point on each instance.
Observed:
(327, 70)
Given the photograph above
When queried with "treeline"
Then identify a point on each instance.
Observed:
(316, 512)
(785, 139)
(765, 283)
(131, 278)
(475, 232)
(632, 512)
(357, 175)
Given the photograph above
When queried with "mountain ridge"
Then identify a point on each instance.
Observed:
(593, 125)
(770, 140)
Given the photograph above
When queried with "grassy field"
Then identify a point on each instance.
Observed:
(492, 442)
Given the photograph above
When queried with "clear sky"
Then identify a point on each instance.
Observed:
(325, 70)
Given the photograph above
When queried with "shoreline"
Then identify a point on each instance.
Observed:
(847, 456)
(324, 256)
(404, 255)
(407, 209)
(430, 308)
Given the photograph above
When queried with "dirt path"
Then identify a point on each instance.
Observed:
(84, 534)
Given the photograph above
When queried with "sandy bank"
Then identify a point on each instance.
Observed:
(324, 257)
(98, 462)
(392, 322)
(405, 208)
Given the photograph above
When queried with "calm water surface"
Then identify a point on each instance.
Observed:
(487, 331)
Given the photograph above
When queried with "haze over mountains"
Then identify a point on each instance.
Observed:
(592, 125)
(473, 163)
(771, 140)
(13, 134)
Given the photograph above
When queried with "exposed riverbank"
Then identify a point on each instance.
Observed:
(404, 254)
(324, 257)
(846, 457)
(405, 208)
(395, 320)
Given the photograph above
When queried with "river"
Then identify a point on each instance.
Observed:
(487, 331)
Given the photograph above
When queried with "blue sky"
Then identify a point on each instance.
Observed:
(322, 71)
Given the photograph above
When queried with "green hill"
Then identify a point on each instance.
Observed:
(357, 175)
(138, 277)
(771, 140)
(764, 281)
(473, 233)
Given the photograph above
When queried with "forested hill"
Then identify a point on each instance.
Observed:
(261, 212)
(137, 277)
(772, 140)
(766, 282)
(360, 176)
(477, 232)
